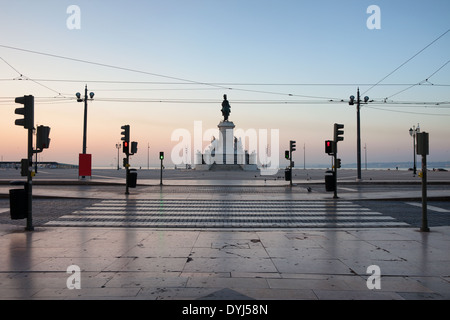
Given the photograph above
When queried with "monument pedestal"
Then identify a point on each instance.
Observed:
(225, 152)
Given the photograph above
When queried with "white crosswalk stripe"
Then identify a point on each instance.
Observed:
(226, 214)
(432, 208)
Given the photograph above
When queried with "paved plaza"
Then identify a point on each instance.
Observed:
(212, 242)
(134, 263)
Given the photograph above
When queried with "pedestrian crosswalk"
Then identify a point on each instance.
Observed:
(226, 214)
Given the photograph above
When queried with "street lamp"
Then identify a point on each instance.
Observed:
(85, 100)
(118, 146)
(413, 132)
(358, 124)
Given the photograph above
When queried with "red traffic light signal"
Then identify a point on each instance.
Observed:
(329, 147)
(126, 147)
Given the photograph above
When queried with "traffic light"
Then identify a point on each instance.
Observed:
(126, 147)
(292, 146)
(42, 138)
(338, 132)
(125, 162)
(161, 156)
(338, 163)
(329, 147)
(286, 154)
(134, 147)
(24, 167)
(27, 111)
(125, 133)
(126, 139)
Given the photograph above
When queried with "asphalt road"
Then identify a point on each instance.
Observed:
(402, 183)
(170, 174)
(409, 212)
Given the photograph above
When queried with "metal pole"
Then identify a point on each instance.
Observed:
(161, 182)
(36, 162)
(85, 120)
(414, 151)
(335, 175)
(290, 168)
(304, 156)
(358, 138)
(29, 186)
(365, 154)
(424, 227)
(148, 156)
(127, 172)
(118, 147)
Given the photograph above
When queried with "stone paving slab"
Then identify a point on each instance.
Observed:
(129, 263)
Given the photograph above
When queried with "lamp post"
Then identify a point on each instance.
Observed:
(358, 130)
(365, 154)
(85, 100)
(413, 132)
(118, 146)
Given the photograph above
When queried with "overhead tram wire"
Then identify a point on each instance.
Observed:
(423, 82)
(156, 74)
(225, 83)
(404, 63)
(185, 81)
(106, 65)
(233, 84)
(22, 77)
(410, 112)
(285, 102)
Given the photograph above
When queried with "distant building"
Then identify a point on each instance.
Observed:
(44, 165)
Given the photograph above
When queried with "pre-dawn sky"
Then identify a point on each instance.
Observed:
(285, 65)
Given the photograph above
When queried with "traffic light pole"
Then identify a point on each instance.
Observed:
(29, 185)
(291, 163)
(42, 142)
(423, 149)
(127, 173)
(424, 227)
(335, 175)
(290, 168)
(161, 181)
(358, 135)
(337, 162)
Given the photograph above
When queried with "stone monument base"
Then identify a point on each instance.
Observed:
(226, 167)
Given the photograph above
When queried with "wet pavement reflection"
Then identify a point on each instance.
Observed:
(136, 263)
